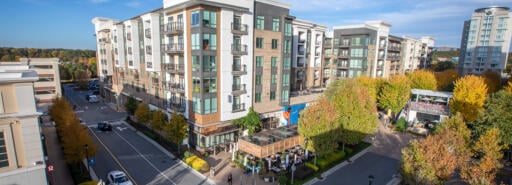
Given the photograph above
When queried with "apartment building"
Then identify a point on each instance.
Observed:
(417, 53)
(394, 57)
(21, 152)
(485, 41)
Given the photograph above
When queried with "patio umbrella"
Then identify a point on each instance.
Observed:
(425, 99)
(440, 101)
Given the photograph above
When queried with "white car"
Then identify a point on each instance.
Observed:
(118, 178)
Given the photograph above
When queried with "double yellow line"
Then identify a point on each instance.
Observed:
(114, 157)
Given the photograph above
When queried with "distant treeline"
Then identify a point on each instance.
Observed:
(66, 55)
(444, 54)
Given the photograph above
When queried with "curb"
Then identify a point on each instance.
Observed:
(92, 173)
(395, 181)
(162, 149)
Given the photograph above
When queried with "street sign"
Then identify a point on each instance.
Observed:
(50, 168)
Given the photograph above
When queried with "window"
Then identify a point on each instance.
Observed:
(272, 95)
(273, 80)
(45, 92)
(274, 43)
(45, 79)
(196, 105)
(286, 79)
(285, 96)
(287, 63)
(195, 18)
(210, 85)
(209, 41)
(359, 52)
(196, 85)
(287, 46)
(273, 61)
(195, 41)
(196, 64)
(209, 19)
(210, 105)
(4, 161)
(275, 24)
(259, 42)
(260, 22)
(130, 50)
(209, 63)
(257, 97)
(258, 79)
(287, 29)
(259, 61)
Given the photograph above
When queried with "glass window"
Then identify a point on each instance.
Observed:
(260, 22)
(272, 95)
(286, 79)
(196, 85)
(196, 64)
(195, 41)
(210, 41)
(287, 29)
(356, 63)
(273, 80)
(195, 18)
(274, 43)
(257, 97)
(275, 24)
(210, 105)
(209, 19)
(210, 85)
(287, 46)
(259, 61)
(357, 52)
(285, 96)
(259, 42)
(287, 63)
(273, 61)
(258, 79)
(196, 105)
(209, 63)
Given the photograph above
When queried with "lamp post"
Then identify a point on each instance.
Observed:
(370, 179)
(86, 146)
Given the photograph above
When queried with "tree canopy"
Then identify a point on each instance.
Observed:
(468, 97)
(488, 150)
(497, 114)
(395, 94)
(445, 79)
(176, 129)
(492, 80)
(158, 119)
(131, 105)
(422, 79)
(142, 113)
(251, 121)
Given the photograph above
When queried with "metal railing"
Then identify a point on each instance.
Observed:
(238, 107)
(240, 29)
(239, 49)
(172, 28)
(173, 48)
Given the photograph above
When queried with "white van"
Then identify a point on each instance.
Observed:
(93, 99)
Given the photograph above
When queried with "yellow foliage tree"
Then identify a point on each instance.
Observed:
(488, 148)
(395, 94)
(445, 79)
(373, 85)
(423, 79)
(468, 97)
(508, 88)
(492, 80)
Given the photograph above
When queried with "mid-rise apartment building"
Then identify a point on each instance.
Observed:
(486, 41)
(417, 53)
(21, 152)
(394, 56)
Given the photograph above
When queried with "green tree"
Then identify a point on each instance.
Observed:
(82, 77)
(92, 67)
(423, 79)
(488, 150)
(395, 94)
(373, 85)
(177, 129)
(251, 121)
(492, 80)
(158, 120)
(441, 66)
(468, 97)
(131, 105)
(143, 114)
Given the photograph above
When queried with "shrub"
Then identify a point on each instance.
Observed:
(400, 125)
(197, 163)
(187, 154)
(348, 150)
(312, 166)
(282, 179)
(331, 158)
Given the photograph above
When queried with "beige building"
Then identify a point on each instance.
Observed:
(47, 88)
(21, 152)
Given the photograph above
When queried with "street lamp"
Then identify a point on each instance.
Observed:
(86, 146)
(370, 179)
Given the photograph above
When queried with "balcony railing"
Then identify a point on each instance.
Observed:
(104, 40)
(239, 69)
(174, 68)
(429, 108)
(239, 29)
(147, 33)
(239, 89)
(173, 48)
(172, 28)
(175, 87)
(239, 49)
(177, 106)
(343, 55)
(238, 107)
(342, 65)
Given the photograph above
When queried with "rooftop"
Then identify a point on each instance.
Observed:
(16, 73)
(424, 92)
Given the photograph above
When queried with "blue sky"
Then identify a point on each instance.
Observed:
(67, 23)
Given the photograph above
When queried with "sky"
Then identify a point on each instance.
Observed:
(67, 23)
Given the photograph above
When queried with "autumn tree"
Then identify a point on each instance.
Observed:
(395, 94)
(158, 119)
(142, 113)
(445, 79)
(131, 105)
(251, 121)
(176, 129)
(468, 97)
(372, 84)
(422, 79)
(508, 88)
(91, 66)
(492, 80)
(487, 150)
(82, 78)
(318, 125)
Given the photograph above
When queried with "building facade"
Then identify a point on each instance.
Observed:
(485, 41)
(21, 152)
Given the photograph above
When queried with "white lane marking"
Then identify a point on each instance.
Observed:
(121, 128)
(146, 159)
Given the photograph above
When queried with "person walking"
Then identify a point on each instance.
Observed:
(230, 179)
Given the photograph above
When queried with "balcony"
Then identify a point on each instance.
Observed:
(343, 55)
(301, 53)
(238, 89)
(239, 70)
(394, 48)
(173, 48)
(176, 106)
(172, 28)
(238, 107)
(343, 65)
(239, 49)
(429, 108)
(104, 40)
(175, 87)
(147, 33)
(344, 45)
(174, 68)
(239, 29)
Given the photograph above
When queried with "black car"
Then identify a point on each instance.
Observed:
(104, 126)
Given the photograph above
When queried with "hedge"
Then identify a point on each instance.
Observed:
(197, 163)
(332, 158)
(312, 166)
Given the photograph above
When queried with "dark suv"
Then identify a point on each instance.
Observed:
(104, 126)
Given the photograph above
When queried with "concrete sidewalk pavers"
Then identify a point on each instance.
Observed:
(60, 174)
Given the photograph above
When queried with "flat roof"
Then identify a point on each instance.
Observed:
(272, 136)
(425, 92)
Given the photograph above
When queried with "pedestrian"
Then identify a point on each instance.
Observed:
(230, 179)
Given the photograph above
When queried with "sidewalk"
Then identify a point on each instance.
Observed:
(221, 163)
(60, 174)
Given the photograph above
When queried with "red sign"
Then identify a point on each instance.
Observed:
(50, 168)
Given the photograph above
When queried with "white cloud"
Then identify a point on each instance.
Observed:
(133, 4)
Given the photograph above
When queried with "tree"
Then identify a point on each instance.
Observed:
(441, 66)
(468, 97)
(131, 105)
(158, 120)
(508, 88)
(492, 80)
(251, 121)
(82, 77)
(445, 79)
(143, 114)
(92, 66)
(177, 129)
(373, 85)
(395, 94)
(488, 150)
(423, 79)
(318, 125)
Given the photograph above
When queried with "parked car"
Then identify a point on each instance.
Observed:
(104, 126)
(118, 178)
(93, 99)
